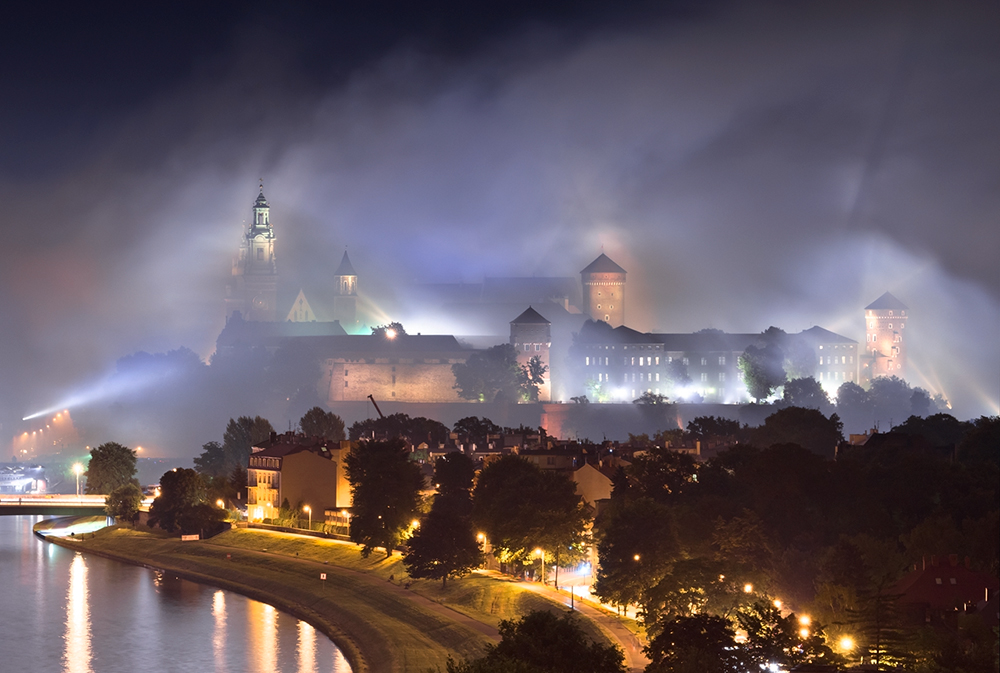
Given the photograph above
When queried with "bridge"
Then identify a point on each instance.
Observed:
(51, 505)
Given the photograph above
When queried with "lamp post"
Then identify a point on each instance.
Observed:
(309, 511)
(542, 555)
(77, 470)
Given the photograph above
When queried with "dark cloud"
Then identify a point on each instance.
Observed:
(781, 163)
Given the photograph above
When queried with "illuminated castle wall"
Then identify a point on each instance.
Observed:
(604, 291)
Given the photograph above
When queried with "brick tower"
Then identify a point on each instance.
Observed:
(885, 342)
(604, 291)
(531, 335)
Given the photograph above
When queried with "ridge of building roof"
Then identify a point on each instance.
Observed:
(530, 317)
(886, 302)
(603, 264)
(826, 336)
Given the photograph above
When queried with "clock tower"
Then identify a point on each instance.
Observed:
(254, 288)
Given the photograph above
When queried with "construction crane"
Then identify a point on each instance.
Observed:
(380, 414)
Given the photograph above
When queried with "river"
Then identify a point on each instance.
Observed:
(62, 611)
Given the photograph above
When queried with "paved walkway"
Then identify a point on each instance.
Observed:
(635, 659)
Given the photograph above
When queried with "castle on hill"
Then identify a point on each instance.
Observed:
(577, 329)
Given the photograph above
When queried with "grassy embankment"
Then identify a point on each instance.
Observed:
(378, 625)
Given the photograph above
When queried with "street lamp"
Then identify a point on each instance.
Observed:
(220, 504)
(308, 510)
(77, 470)
(541, 553)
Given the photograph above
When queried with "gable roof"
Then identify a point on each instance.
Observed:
(603, 264)
(530, 317)
(886, 303)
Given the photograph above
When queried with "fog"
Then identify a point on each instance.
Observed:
(781, 164)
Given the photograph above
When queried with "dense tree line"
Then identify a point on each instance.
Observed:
(830, 536)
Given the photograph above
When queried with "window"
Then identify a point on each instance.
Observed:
(633, 377)
(633, 361)
(345, 384)
(393, 379)
(586, 361)
(704, 376)
(605, 360)
(538, 347)
(686, 362)
(600, 377)
(260, 253)
(890, 325)
(657, 377)
(345, 372)
(657, 359)
(607, 318)
(704, 361)
(722, 359)
(598, 306)
(642, 377)
(393, 394)
(722, 377)
(640, 361)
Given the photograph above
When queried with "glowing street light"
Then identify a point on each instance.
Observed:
(77, 470)
(308, 510)
(635, 558)
(220, 504)
(541, 553)
(846, 644)
(748, 588)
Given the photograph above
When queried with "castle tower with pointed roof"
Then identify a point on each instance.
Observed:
(254, 287)
(345, 299)
(604, 291)
(885, 339)
(531, 336)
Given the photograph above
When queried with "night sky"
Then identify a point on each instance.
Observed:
(749, 164)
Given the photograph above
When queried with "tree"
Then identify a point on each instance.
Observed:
(710, 429)
(123, 502)
(476, 430)
(415, 430)
(385, 487)
(492, 375)
(533, 376)
(890, 399)
(773, 639)
(807, 428)
(521, 508)
(180, 490)
(761, 367)
(325, 424)
(698, 644)
(649, 398)
(806, 393)
(389, 331)
(637, 545)
(212, 462)
(445, 544)
(111, 465)
(854, 407)
(542, 642)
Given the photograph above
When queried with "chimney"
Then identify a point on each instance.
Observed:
(953, 559)
(274, 436)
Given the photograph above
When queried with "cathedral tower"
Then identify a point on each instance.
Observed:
(531, 335)
(345, 299)
(254, 290)
(604, 291)
(885, 344)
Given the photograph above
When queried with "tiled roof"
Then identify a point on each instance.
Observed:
(603, 264)
(886, 303)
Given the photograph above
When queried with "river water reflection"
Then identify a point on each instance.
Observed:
(66, 612)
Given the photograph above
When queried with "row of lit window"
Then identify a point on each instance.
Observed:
(527, 347)
(836, 376)
(836, 359)
(871, 325)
